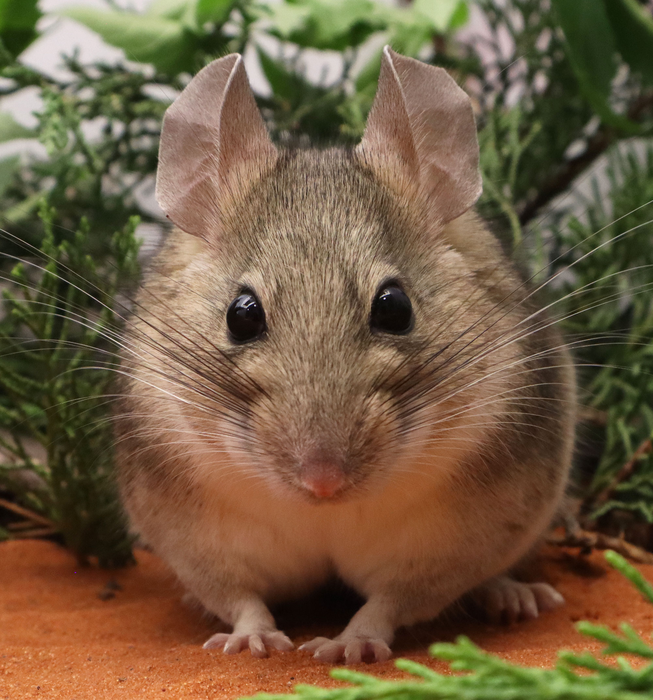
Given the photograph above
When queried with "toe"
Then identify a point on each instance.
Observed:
(494, 605)
(257, 647)
(314, 644)
(350, 650)
(511, 603)
(278, 641)
(235, 644)
(331, 652)
(379, 650)
(217, 641)
(258, 643)
(505, 598)
(527, 603)
(354, 652)
(546, 596)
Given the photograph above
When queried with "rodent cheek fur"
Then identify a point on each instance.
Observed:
(324, 390)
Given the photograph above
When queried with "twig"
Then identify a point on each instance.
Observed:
(597, 540)
(624, 472)
(30, 515)
(20, 525)
(593, 415)
(596, 146)
(33, 534)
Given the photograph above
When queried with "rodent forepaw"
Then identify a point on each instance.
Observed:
(503, 598)
(352, 650)
(258, 642)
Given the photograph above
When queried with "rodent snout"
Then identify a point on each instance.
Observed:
(323, 478)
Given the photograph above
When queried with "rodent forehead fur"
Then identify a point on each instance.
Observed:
(314, 240)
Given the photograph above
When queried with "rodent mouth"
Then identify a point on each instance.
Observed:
(334, 499)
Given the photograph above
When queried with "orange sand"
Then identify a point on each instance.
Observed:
(58, 639)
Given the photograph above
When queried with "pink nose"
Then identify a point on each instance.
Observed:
(322, 479)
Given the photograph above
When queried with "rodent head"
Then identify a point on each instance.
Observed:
(322, 286)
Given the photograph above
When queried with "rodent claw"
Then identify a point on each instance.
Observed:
(504, 599)
(258, 643)
(351, 651)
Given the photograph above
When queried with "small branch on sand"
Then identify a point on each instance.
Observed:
(34, 533)
(597, 540)
(29, 514)
(624, 472)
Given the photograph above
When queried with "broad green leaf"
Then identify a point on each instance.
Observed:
(182, 11)
(633, 32)
(170, 9)
(460, 17)
(282, 81)
(10, 129)
(343, 23)
(216, 11)
(409, 32)
(327, 24)
(287, 19)
(590, 40)
(438, 12)
(591, 50)
(18, 24)
(369, 73)
(144, 38)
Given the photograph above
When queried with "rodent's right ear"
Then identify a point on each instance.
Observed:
(214, 145)
(421, 134)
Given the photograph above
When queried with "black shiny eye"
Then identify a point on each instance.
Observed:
(245, 318)
(392, 311)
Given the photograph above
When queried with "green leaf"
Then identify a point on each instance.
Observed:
(591, 50)
(169, 9)
(369, 73)
(10, 129)
(410, 34)
(18, 20)
(326, 24)
(182, 11)
(287, 19)
(633, 32)
(460, 17)
(215, 11)
(590, 40)
(22, 210)
(438, 12)
(283, 83)
(165, 43)
(8, 167)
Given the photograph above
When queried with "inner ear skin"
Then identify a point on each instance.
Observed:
(421, 136)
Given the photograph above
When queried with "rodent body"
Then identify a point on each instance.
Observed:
(416, 466)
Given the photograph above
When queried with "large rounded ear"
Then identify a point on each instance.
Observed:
(214, 145)
(421, 132)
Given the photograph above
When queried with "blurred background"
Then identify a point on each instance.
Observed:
(563, 96)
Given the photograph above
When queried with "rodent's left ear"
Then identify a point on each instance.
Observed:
(421, 129)
(214, 145)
